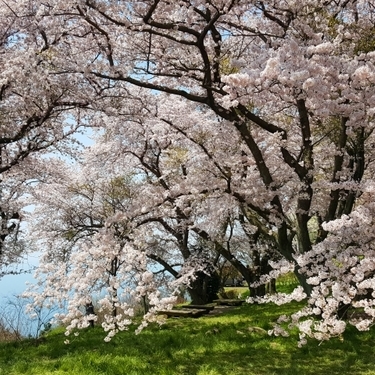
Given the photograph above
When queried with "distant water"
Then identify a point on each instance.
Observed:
(12, 307)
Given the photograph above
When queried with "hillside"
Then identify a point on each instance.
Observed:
(232, 343)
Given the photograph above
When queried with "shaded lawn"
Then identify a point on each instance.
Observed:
(226, 344)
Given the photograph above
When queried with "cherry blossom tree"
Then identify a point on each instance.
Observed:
(38, 114)
(78, 205)
(273, 103)
(86, 225)
(175, 205)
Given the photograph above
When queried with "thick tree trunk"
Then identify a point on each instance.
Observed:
(204, 288)
(197, 296)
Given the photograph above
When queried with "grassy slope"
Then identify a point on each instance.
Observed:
(214, 345)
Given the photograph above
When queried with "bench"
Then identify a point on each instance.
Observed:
(206, 308)
(230, 302)
(188, 313)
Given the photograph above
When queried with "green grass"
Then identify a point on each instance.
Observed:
(236, 291)
(284, 284)
(225, 344)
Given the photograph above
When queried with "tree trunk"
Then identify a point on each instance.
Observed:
(307, 288)
(204, 288)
